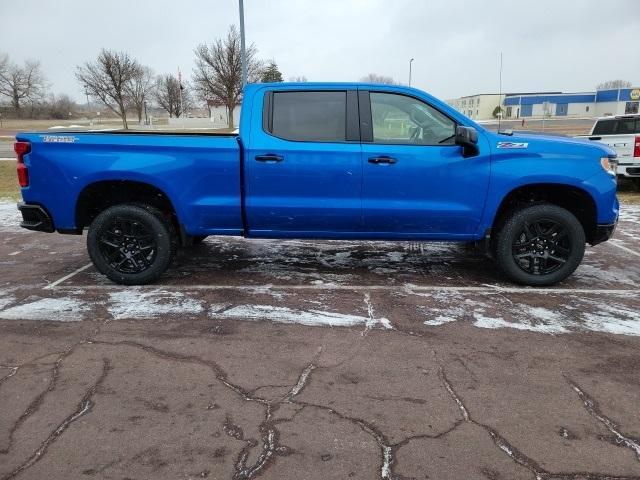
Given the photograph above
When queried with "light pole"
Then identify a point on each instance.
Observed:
(410, 62)
(86, 92)
(243, 53)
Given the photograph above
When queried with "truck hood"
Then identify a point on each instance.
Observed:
(532, 143)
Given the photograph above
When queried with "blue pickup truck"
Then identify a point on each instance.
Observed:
(323, 161)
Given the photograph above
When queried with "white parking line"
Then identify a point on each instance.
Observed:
(406, 288)
(622, 247)
(67, 277)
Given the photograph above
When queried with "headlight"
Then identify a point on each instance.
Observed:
(610, 165)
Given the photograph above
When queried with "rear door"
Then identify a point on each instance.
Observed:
(416, 181)
(303, 167)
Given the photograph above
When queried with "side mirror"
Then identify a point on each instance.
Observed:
(467, 138)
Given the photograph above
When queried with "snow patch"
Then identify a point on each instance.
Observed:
(6, 300)
(136, 304)
(48, 309)
(612, 318)
(301, 317)
(610, 315)
(9, 215)
(482, 321)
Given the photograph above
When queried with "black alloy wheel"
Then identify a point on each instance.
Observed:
(542, 247)
(131, 244)
(127, 245)
(539, 245)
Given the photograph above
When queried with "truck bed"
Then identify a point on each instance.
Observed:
(200, 172)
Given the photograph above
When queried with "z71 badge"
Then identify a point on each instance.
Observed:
(59, 138)
(513, 145)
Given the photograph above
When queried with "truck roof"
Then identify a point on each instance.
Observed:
(610, 117)
(321, 85)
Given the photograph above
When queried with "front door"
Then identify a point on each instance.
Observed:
(416, 181)
(303, 171)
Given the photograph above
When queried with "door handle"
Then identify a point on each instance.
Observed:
(383, 159)
(270, 158)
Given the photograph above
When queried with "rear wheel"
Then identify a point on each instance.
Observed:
(540, 245)
(131, 244)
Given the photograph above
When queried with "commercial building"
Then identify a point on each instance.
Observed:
(477, 107)
(622, 101)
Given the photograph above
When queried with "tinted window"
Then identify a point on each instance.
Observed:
(627, 125)
(605, 127)
(310, 116)
(401, 119)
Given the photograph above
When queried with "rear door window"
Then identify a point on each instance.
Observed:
(310, 116)
(627, 126)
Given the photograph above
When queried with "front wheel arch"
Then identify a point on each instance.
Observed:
(573, 199)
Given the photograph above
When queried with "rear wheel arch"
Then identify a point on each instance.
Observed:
(574, 199)
(98, 196)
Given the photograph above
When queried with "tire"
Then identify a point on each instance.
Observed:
(198, 239)
(131, 244)
(540, 245)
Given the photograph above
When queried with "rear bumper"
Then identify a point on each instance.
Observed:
(604, 233)
(34, 217)
(629, 170)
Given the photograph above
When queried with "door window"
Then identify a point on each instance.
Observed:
(310, 116)
(631, 108)
(398, 119)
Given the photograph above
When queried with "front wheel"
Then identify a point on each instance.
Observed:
(131, 244)
(540, 245)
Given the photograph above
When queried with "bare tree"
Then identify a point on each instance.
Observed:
(375, 78)
(4, 63)
(138, 90)
(21, 83)
(218, 71)
(61, 107)
(167, 94)
(108, 80)
(613, 85)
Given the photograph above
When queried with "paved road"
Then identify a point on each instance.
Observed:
(6, 150)
(567, 126)
(301, 360)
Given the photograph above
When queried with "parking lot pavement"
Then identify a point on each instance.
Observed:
(305, 360)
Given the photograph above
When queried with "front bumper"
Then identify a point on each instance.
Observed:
(34, 217)
(604, 233)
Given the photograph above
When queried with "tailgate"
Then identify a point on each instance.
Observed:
(622, 144)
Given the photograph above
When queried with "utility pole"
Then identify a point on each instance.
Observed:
(243, 53)
(410, 62)
(86, 92)
(180, 90)
(500, 95)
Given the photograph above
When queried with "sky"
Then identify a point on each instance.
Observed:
(557, 45)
